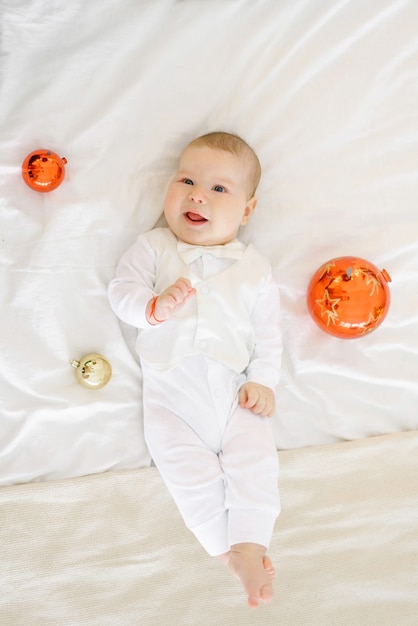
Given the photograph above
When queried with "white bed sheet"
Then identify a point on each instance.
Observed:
(326, 92)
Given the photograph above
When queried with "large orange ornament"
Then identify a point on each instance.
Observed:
(43, 170)
(348, 297)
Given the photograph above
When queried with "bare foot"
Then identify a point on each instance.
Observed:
(249, 563)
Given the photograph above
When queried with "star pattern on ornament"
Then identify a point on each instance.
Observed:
(371, 280)
(371, 322)
(368, 325)
(325, 303)
(326, 269)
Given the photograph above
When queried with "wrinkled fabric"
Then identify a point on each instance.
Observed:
(325, 92)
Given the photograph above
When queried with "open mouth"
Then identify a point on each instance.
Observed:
(195, 218)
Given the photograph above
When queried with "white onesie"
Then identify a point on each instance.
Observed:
(218, 461)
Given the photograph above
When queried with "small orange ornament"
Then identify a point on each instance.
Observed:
(43, 170)
(348, 297)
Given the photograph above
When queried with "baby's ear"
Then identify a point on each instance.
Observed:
(251, 204)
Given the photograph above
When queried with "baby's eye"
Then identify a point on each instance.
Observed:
(187, 181)
(219, 188)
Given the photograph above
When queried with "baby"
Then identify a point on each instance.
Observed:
(206, 307)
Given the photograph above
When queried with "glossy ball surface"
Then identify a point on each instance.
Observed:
(43, 170)
(348, 297)
(93, 371)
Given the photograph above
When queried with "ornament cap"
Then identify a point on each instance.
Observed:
(386, 276)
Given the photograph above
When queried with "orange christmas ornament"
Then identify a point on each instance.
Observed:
(348, 297)
(43, 170)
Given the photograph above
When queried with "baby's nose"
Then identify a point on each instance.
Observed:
(197, 195)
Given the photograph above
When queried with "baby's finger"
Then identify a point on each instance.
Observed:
(259, 407)
(185, 282)
(176, 292)
(189, 291)
(242, 397)
(184, 288)
(251, 398)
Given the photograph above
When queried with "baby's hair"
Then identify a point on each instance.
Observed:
(228, 142)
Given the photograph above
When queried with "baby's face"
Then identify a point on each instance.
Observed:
(206, 201)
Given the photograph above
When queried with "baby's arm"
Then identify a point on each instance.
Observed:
(161, 308)
(131, 290)
(258, 398)
(258, 394)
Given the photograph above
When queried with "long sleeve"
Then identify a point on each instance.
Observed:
(132, 288)
(264, 366)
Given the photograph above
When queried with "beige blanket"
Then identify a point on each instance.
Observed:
(111, 550)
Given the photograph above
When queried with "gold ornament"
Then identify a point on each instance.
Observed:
(93, 371)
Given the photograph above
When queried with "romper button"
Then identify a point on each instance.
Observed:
(203, 344)
(204, 290)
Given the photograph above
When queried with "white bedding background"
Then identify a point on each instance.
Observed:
(326, 91)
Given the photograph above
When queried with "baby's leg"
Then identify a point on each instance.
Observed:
(249, 563)
(193, 476)
(249, 460)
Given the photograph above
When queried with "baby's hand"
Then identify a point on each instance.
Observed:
(162, 307)
(258, 398)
